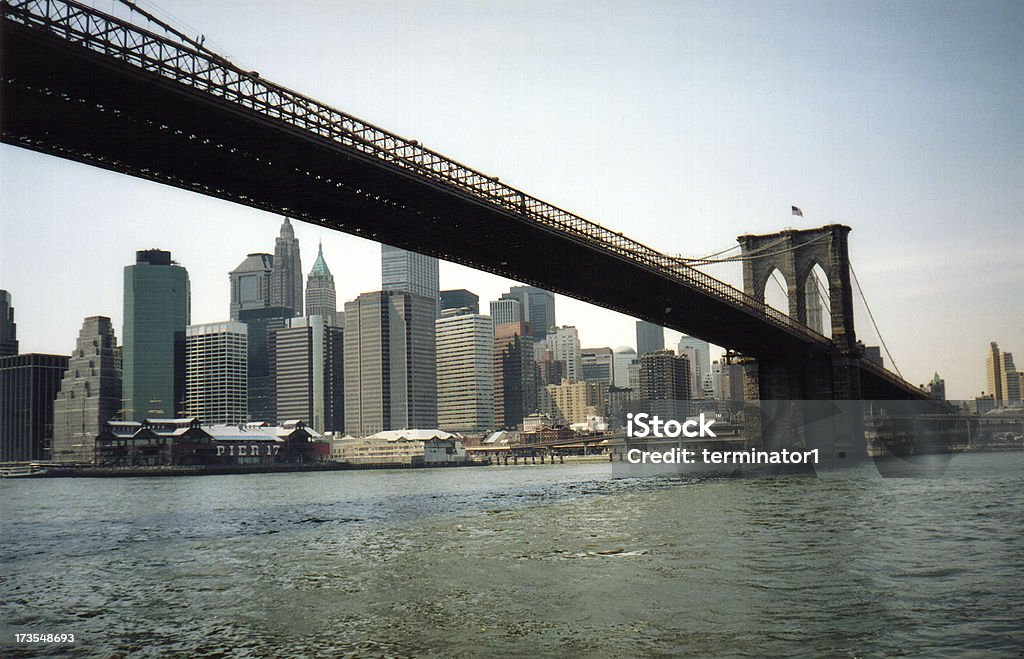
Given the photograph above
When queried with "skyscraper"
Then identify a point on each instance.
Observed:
(506, 310)
(410, 272)
(1011, 380)
(250, 283)
(937, 388)
(624, 356)
(1002, 376)
(308, 370)
(564, 344)
(598, 365)
(709, 385)
(665, 384)
(90, 392)
(573, 402)
(994, 371)
(215, 372)
(698, 352)
(28, 386)
(286, 276)
(548, 370)
(649, 337)
(701, 362)
(8, 329)
(813, 302)
(156, 311)
(730, 384)
(695, 375)
(321, 300)
(465, 371)
(390, 362)
(515, 389)
(460, 299)
(538, 308)
(260, 380)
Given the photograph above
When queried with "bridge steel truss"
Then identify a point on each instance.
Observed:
(90, 87)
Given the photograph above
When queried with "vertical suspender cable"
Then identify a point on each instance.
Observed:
(872, 317)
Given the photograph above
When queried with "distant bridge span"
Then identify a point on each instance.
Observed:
(90, 87)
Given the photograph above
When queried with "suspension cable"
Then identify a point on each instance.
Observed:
(781, 287)
(823, 291)
(872, 317)
(718, 253)
(199, 44)
(728, 249)
(753, 254)
(824, 295)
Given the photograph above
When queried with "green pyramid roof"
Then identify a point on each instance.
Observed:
(320, 266)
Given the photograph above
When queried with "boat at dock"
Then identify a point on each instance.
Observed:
(22, 470)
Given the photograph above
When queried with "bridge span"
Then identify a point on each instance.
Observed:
(87, 86)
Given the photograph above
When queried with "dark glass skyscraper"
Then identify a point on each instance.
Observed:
(515, 388)
(402, 270)
(260, 379)
(156, 312)
(460, 299)
(649, 338)
(286, 277)
(8, 330)
(28, 385)
(537, 307)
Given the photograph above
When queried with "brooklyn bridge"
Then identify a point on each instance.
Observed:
(144, 99)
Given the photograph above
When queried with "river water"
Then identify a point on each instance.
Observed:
(540, 560)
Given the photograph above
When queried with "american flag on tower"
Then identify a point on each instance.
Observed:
(797, 211)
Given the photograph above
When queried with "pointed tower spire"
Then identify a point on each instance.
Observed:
(321, 299)
(320, 266)
(286, 277)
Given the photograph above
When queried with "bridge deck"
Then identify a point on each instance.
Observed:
(89, 87)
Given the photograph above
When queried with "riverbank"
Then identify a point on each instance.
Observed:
(220, 470)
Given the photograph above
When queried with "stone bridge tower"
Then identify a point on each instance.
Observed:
(776, 381)
(795, 252)
(809, 376)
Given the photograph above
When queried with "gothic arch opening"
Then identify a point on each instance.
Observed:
(818, 301)
(776, 291)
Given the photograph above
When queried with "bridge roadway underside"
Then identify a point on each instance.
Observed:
(64, 100)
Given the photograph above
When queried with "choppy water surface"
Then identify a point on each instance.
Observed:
(545, 560)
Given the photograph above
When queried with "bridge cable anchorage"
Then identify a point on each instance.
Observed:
(872, 317)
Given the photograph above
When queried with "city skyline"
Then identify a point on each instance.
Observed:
(905, 174)
(226, 427)
(563, 301)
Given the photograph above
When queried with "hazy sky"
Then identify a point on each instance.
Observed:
(683, 124)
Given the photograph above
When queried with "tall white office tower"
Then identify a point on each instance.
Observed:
(465, 371)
